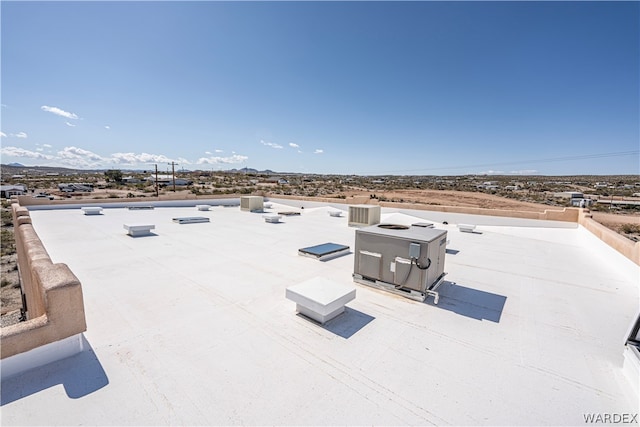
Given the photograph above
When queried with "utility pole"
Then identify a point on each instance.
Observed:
(157, 193)
(173, 174)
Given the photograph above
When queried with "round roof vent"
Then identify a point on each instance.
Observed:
(393, 226)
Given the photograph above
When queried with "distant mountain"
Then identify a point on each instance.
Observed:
(18, 169)
(251, 170)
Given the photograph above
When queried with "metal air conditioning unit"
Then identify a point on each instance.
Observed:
(252, 203)
(360, 215)
(408, 261)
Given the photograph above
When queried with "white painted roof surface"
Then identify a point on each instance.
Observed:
(190, 326)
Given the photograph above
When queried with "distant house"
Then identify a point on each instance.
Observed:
(488, 185)
(71, 188)
(581, 203)
(131, 180)
(7, 191)
(570, 195)
(164, 180)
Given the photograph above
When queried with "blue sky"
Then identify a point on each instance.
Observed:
(425, 88)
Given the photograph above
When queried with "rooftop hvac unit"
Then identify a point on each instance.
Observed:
(252, 203)
(408, 261)
(361, 215)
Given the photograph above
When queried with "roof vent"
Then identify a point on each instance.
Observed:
(393, 226)
(362, 215)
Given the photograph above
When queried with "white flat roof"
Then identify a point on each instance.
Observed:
(191, 326)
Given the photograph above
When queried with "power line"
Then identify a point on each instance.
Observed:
(524, 162)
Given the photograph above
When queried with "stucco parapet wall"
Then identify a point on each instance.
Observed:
(19, 211)
(53, 293)
(564, 214)
(22, 220)
(618, 242)
(186, 198)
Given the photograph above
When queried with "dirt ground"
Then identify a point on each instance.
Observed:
(456, 198)
(10, 298)
(612, 219)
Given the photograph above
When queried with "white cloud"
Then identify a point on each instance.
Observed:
(3, 135)
(134, 158)
(519, 172)
(22, 135)
(69, 152)
(236, 158)
(21, 152)
(107, 127)
(41, 147)
(294, 145)
(271, 144)
(318, 151)
(525, 172)
(70, 124)
(208, 152)
(218, 151)
(59, 112)
(79, 157)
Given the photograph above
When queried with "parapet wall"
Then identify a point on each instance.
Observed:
(561, 214)
(179, 198)
(620, 243)
(53, 294)
(564, 214)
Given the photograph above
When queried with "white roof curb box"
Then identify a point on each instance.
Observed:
(466, 228)
(135, 230)
(272, 218)
(320, 299)
(91, 210)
